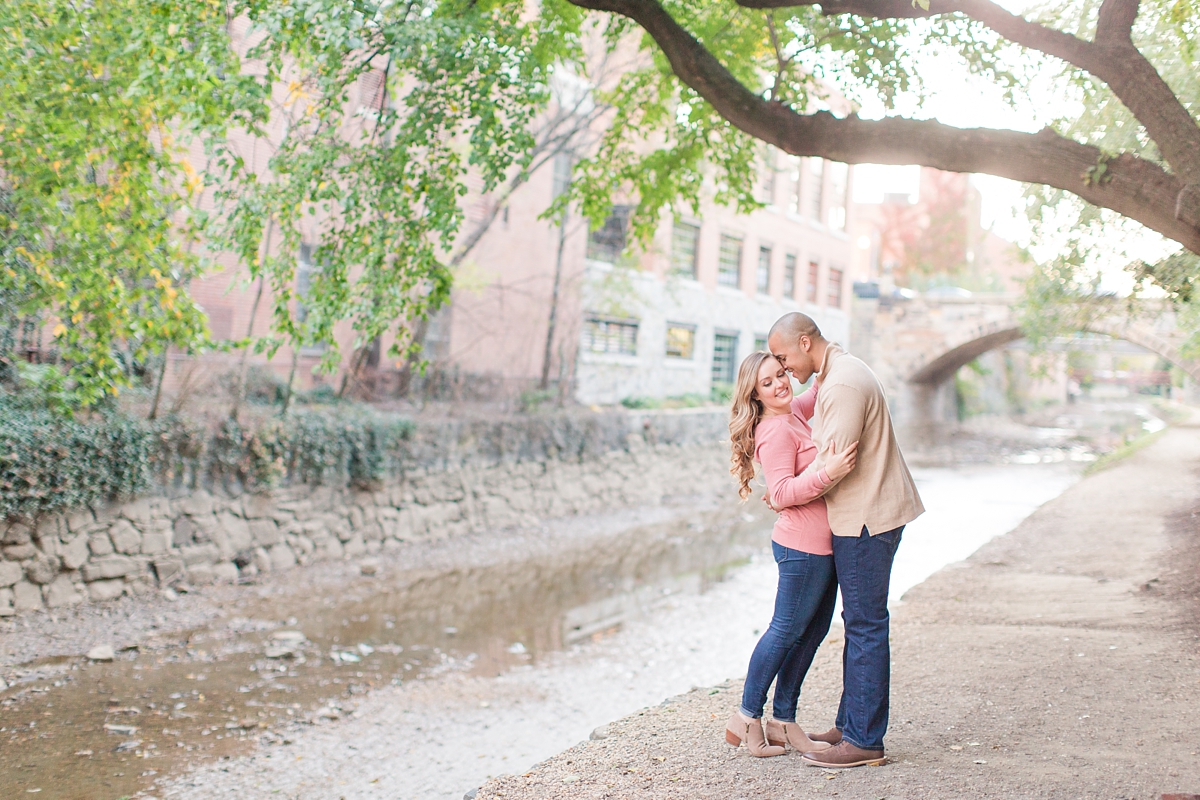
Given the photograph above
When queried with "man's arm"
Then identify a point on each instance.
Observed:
(805, 403)
(843, 415)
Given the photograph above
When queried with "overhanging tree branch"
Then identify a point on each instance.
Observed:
(1134, 187)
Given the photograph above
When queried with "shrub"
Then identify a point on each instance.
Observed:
(49, 463)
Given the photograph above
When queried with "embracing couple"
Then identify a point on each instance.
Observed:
(835, 476)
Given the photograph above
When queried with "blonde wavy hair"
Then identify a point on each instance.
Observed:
(744, 415)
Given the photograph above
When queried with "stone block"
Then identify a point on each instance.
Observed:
(258, 506)
(374, 546)
(80, 520)
(167, 568)
(225, 572)
(74, 553)
(61, 592)
(264, 532)
(100, 544)
(107, 567)
(10, 573)
(6, 603)
(281, 557)
(200, 574)
(356, 517)
(26, 597)
(20, 552)
(137, 511)
(42, 569)
(16, 533)
(330, 548)
(302, 545)
(154, 543)
(373, 532)
(125, 538)
(199, 554)
(354, 547)
(182, 530)
(196, 504)
(261, 559)
(105, 590)
(236, 530)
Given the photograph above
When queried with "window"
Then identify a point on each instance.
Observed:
(795, 198)
(681, 340)
(760, 341)
(608, 241)
(606, 335)
(561, 181)
(839, 185)
(685, 244)
(372, 91)
(814, 275)
(763, 276)
(816, 167)
(766, 186)
(835, 286)
(724, 355)
(729, 260)
(789, 276)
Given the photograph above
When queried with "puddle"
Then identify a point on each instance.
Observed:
(78, 729)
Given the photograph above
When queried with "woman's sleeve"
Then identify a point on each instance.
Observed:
(777, 454)
(805, 403)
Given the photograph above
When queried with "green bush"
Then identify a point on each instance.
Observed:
(49, 463)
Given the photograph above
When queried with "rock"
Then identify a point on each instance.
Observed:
(200, 574)
(100, 591)
(79, 520)
(42, 570)
(75, 552)
(471, 794)
(107, 567)
(182, 530)
(154, 543)
(603, 732)
(167, 568)
(125, 747)
(62, 592)
(10, 573)
(261, 559)
(104, 652)
(354, 547)
(137, 511)
(6, 603)
(225, 571)
(16, 533)
(20, 552)
(199, 554)
(293, 637)
(26, 597)
(369, 566)
(125, 538)
(282, 557)
(100, 544)
(264, 532)
(197, 503)
(237, 531)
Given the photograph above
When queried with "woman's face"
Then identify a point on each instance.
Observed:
(774, 387)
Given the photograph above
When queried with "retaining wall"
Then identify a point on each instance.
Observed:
(458, 475)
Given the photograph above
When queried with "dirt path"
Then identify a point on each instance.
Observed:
(1060, 661)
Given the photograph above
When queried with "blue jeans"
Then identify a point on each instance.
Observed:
(864, 570)
(804, 605)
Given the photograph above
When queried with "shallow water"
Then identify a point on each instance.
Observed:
(584, 636)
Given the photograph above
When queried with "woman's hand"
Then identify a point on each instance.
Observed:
(838, 465)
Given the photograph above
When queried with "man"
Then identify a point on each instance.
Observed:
(868, 509)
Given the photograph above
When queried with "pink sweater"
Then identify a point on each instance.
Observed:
(784, 446)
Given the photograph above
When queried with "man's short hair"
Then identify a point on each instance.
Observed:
(793, 325)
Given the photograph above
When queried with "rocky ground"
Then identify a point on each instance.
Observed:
(1060, 661)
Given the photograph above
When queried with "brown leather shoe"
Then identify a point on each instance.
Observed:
(844, 755)
(831, 736)
(789, 733)
(738, 732)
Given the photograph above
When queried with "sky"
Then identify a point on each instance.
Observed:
(957, 98)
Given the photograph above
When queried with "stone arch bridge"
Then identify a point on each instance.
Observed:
(916, 346)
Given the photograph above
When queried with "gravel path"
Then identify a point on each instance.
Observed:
(1060, 661)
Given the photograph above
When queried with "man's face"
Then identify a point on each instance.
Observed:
(794, 355)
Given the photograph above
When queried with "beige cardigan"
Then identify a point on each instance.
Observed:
(879, 492)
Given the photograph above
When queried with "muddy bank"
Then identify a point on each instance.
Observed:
(1060, 661)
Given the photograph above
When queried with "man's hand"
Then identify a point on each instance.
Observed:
(766, 498)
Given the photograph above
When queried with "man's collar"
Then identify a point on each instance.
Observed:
(831, 349)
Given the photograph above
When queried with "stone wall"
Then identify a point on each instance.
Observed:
(459, 475)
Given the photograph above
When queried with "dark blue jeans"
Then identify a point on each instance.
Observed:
(804, 605)
(864, 570)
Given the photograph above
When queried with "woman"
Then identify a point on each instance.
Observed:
(768, 425)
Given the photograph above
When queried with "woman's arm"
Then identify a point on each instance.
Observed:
(777, 454)
(805, 403)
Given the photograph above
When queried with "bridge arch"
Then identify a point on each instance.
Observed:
(942, 367)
